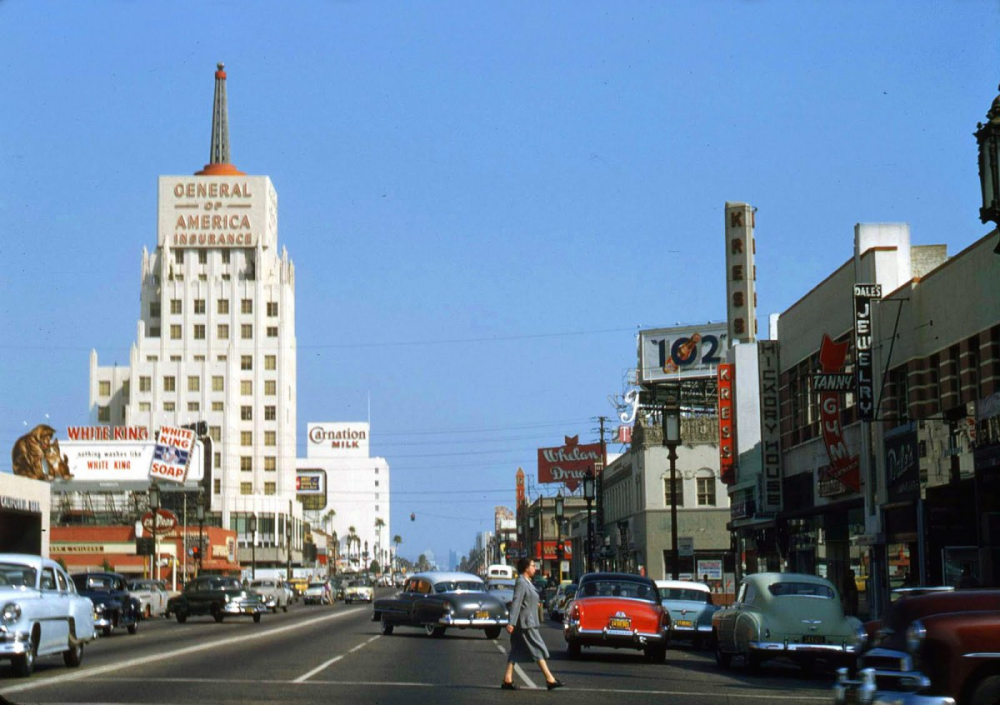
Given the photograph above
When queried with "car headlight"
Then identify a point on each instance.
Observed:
(915, 636)
(11, 612)
(99, 608)
(226, 598)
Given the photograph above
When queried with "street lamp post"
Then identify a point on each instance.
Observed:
(199, 510)
(560, 510)
(531, 535)
(607, 550)
(671, 439)
(252, 528)
(336, 550)
(154, 507)
(288, 548)
(588, 493)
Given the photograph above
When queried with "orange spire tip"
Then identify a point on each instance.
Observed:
(220, 73)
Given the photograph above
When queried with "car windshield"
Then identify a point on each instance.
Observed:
(317, 585)
(222, 584)
(686, 594)
(801, 590)
(17, 575)
(94, 582)
(454, 585)
(618, 588)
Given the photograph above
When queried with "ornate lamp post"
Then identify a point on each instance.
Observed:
(154, 507)
(988, 138)
(288, 548)
(199, 512)
(336, 550)
(671, 439)
(252, 528)
(588, 494)
(560, 510)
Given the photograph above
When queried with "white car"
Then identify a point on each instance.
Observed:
(318, 593)
(359, 590)
(274, 594)
(41, 613)
(152, 596)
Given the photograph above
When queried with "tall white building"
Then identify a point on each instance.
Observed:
(215, 340)
(357, 491)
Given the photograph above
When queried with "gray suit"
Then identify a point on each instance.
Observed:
(526, 642)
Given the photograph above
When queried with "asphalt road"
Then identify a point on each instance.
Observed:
(316, 654)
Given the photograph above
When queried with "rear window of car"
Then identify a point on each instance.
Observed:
(618, 588)
(686, 594)
(791, 589)
(453, 585)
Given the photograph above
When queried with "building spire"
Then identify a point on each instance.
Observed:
(218, 159)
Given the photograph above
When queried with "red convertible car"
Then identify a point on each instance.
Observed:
(618, 611)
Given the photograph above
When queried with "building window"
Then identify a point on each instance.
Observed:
(270, 413)
(217, 486)
(270, 463)
(145, 406)
(272, 331)
(272, 308)
(376, 483)
(154, 309)
(270, 362)
(218, 383)
(126, 388)
(218, 406)
(246, 463)
(246, 413)
(202, 257)
(170, 384)
(175, 358)
(246, 387)
(246, 438)
(216, 460)
(199, 331)
(246, 331)
(246, 306)
(145, 384)
(169, 406)
(152, 358)
(270, 438)
(193, 406)
(199, 358)
(104, 388)
(194, 383)
(222, 331)
(215, 433)
(154, 331)
(246, 362)
(678, 486)
(199, 306)
(179, 256)
(222, 306)
(270, 488)
(270, 387)
(706, 491)
(175, 332)
(225, 256)
(221, 358)
(246, 488)
(104, 414)
(175, 306)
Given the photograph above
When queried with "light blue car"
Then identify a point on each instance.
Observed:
(691, 609)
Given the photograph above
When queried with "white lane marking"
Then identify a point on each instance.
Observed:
(518, 669)
(332, 661)
(166, 655)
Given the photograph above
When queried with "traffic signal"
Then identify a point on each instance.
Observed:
(196, 552)
(413, 516)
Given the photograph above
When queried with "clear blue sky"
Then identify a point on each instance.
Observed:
(483, 200)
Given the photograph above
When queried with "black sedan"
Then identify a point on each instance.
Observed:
(440, 601)
(114, 607)
(217, 596)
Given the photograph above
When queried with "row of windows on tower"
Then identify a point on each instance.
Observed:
(199, 331)
(200, 307)
(247, 488)
(226, 256)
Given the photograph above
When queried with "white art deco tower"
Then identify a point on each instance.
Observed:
(216, 336)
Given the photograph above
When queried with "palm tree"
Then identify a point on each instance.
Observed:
(352, 538)
(379, 523)
(397, 539)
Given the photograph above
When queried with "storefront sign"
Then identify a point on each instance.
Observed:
(863, 367)
(741, 273)
(710, 570)
(107, 433)
(727, 440)
(550, 550)
(844, 468)
(166, 521)
(172, 454)
(685, 546)
(568, 464)
(57, 548)
(670, 354)
(902, 463)
(743, 508)
(20, 504)
(123, 465)
(338, 440)
(770, 428)
(625, 435)
(310, 482)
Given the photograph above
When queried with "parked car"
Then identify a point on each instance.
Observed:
(299, 585)
(691, 609)
(114, 606)
(359, 589)
(618, 611)
(438, 601)
(274, 594)
(790, 615)
(152, 596)
(318, 593)
(217, 596)
(938, 648)
(557, 606)
(502, 589)
(41, 613)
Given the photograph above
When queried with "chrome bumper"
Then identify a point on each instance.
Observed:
(13, 643)
(863, 690)
(688, 631)
(780, 647)
(449, 621)
(612, 636)
(242, 608)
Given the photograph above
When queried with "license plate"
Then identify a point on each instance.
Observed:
(620, 623)
(814, 639)
(482, 614)
(683, 622)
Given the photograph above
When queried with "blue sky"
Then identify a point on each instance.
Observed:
(484, 201)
